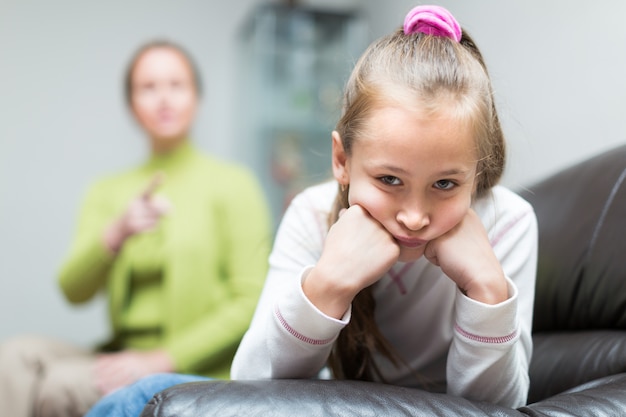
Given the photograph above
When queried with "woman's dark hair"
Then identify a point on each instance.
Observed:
(159, 44)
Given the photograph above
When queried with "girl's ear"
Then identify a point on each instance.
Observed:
(340, 161)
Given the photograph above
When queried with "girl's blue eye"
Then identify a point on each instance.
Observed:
(444, 185)
(390, 180)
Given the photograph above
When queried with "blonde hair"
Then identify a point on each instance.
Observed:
(431, 72)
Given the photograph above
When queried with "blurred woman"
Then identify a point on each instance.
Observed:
(179, 244)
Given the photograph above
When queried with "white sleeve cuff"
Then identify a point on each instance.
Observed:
(299, 317)
(488, 323)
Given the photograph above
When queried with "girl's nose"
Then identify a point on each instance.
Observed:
(414, 218)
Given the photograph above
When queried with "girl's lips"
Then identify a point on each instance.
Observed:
(410, 243)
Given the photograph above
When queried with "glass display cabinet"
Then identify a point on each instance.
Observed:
(293, 65)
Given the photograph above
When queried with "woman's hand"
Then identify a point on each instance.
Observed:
(357, 252)
(116, 370)
(465, 255)
(142, 215)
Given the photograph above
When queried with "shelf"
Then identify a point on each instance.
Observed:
(294, 63)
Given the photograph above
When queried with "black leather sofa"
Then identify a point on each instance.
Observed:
(578, 366)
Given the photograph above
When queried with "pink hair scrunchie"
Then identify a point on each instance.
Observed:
(432, 20)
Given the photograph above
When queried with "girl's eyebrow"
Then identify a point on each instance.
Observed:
(448, 172)
(453, 172)
(394, 169)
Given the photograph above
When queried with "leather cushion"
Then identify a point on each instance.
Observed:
(581, 276)
(311, 398)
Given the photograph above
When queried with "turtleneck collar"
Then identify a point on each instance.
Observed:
(173, 158)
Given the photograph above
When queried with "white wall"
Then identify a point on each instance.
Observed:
(557, 69)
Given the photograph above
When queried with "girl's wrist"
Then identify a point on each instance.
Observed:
(491, 291)
(324, 293)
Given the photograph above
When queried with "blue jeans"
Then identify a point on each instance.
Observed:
(130, 400)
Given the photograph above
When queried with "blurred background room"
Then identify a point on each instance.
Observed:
(273, 74)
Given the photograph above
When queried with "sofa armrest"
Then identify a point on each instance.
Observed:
(564, 360)
(602, 397)
(599, 398)
(311, 398)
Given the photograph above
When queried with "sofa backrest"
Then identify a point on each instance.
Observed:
(581, 274)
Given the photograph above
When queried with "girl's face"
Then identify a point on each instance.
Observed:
(414, 174)
(163, 97)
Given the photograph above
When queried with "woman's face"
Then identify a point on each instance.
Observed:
(163, 96)
(414, 174)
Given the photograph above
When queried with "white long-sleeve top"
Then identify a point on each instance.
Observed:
(448, 341)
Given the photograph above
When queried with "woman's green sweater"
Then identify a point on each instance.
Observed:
(206, 260)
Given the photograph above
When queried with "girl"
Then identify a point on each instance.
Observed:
(426, 274)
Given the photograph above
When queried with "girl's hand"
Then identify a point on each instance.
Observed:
(357, 252)
(465, 255)
(142, 214)
(116, 370)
